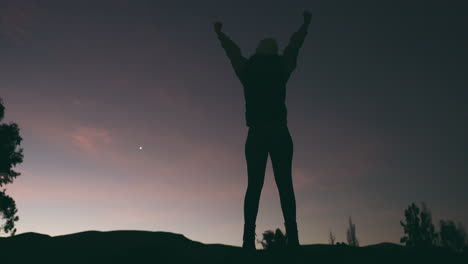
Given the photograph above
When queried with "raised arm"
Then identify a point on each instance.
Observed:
(232, 50)
(291, 52)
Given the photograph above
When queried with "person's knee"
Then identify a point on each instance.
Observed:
(283, 180)
(254, 188)
(286, 190)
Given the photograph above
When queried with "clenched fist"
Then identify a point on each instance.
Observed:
(218, 26)
(307, 16)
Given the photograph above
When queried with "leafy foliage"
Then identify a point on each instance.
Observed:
(10, 156)
(419, 229)
(351, 234)
(8, 210)
(273, 240)
(2, 110)
(331, 238)
(453, 236)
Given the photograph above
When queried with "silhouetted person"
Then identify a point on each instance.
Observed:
(264, 76)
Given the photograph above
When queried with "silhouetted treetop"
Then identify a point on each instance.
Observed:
(2, 110)
(453, 236)
(419, 229)
(10, 155)
(351, 234)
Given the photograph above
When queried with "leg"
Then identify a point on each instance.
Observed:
(281, 157)
(256, 155)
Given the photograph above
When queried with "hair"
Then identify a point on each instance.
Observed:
(267, 46)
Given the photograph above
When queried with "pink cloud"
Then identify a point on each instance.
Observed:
(89, 139)
(76, 101)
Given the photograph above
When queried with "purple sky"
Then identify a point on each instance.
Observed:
(376, 107)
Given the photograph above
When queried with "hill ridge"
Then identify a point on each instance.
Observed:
(139, 246)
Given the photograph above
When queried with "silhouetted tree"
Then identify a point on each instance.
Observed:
(10, 156)
(412, 226)
(273, 240)
(351, 234)
(2, 110)
(419, 229)
(430, 235)
(331, 238)
(452, 236)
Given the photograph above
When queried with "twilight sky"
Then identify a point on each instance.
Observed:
(377, 109)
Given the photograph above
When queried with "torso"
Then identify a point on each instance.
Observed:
(264, 79)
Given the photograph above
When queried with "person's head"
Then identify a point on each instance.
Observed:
(267, 46)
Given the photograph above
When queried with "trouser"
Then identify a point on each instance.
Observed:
(277, 142)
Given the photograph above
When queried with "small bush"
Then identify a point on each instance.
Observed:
(273, 240)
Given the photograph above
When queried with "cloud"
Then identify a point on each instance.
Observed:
(76, 101)
(90, 139)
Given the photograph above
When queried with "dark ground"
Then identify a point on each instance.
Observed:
(162, 247)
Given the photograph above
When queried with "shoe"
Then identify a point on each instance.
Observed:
(292, 238)
(249, 237)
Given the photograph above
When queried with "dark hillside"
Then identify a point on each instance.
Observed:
(163, 247)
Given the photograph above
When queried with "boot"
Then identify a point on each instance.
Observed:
(292, 237)
(249, 237)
